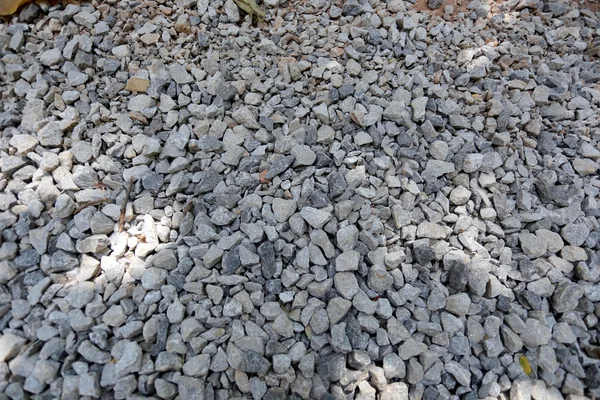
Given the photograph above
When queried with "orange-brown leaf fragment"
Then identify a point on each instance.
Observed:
(8, 7)
(137, 85)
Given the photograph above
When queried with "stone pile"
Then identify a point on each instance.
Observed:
(353, 200)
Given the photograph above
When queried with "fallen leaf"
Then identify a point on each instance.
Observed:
(8, 7)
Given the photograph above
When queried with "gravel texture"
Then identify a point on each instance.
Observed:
(352, 200)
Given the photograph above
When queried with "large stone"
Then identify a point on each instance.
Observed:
(346, 285)
(315, 217)
(283, 209)
(566, 297)
(10, 346)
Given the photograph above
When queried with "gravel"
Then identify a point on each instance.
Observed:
(353, 200)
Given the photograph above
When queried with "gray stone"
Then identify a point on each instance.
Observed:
(179, 74)
(411, 348)
(347, 237)
(433, 231)
(319, 322)
(315, 217)
(458, 274)
(379, 279)
(337, 308)
(347, 261)
(458, 304)
(281, 363)
(130, 361)
(394, 391)
(303, 155)
(93, 244)
(423, 253)
(459, 372)
(255, 364)
(331, 367)
(266, 252)
(575, 234)
(532, 245)
(168, 362)
(114, 316)
(460, 196)
(244, 116)
(222, 216)
(283, 326)
(39, 239)
(566, 297)
(189, 387)
(414, 372)
(435, 169)
(51, 57)
(279, 166)
(153, 278)
(346, 284)
(197, 366)
(394, 367)
(283, 209)
(80, 294)
(10, 346)
(92, 354)
(472, 163)
(339, 340)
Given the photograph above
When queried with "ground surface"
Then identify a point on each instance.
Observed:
(347, 200)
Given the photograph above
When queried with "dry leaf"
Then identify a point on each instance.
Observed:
(8, 7)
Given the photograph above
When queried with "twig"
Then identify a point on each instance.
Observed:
(89, 203)
(124, 205)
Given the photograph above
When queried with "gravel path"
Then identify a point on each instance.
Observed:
(352, 200)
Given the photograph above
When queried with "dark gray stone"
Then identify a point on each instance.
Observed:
(210, 179)
(458, 274)
(280, 165)
(266, 252)
(254, 363)
(231, 261)
(337, 184)
(423, 254)
(331, 367)
(351, 8)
